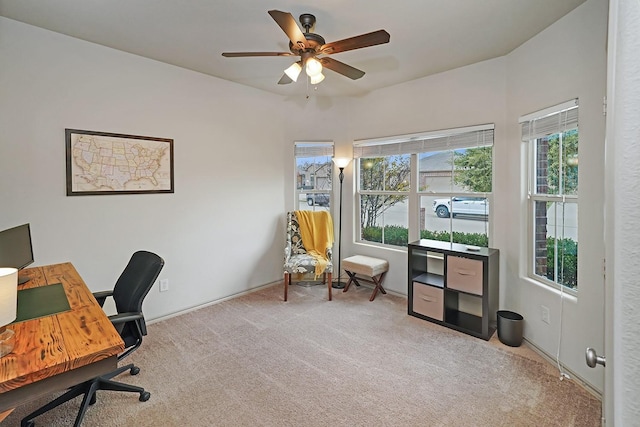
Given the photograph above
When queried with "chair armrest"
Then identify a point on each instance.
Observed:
(287, 248)
(120, 318)
(287, 252)
(137, 317)
(329, 254)
(101, 296)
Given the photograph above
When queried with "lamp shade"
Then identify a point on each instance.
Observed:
(8, 295)
(316, 79)
(293, 71)
(341, 162)
(313, 67)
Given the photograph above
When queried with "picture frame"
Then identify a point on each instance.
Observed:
(101, 163)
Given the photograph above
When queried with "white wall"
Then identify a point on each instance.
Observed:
(228, 143)
(566, 61)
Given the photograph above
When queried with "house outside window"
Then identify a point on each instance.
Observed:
(313, 175)
(440, 181)
(552, 138)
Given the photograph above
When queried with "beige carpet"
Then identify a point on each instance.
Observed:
(258, 361)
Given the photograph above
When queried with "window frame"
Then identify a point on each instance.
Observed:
(310, 149)
(531, 137)
(358, 204)
(414, 145)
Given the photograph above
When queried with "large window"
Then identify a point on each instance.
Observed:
(313, 175)
(552, 136)
(440, 182)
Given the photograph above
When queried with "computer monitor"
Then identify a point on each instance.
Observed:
(16, 250)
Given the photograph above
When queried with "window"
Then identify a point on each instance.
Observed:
(455, 174)
(313, 175)
(384, 184)
(452, 170)
(552, 136)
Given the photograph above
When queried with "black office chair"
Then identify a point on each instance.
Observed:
(132, 286)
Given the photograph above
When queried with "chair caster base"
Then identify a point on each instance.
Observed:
(144, 396)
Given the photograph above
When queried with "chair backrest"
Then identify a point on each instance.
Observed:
(132, 287)
(293, 235)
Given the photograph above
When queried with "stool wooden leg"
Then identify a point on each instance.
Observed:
(351, 276)
(380, 279)
(378, 283)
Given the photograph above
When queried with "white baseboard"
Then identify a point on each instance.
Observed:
(574, 377)
(197, 307)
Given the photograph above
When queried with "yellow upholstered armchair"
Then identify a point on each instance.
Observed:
(300, 260)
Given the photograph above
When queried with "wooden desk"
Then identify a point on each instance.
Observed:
(54, 352)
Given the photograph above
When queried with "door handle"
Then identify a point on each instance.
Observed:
(593, 359)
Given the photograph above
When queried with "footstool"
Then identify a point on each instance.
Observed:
(373, 270)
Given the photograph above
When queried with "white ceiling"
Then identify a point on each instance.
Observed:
(427, 36)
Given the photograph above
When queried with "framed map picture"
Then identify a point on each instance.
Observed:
(110, 163)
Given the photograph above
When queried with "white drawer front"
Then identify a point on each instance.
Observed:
(464, 274)
(428, 301)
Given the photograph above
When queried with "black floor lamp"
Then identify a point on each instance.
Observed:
(341, 163)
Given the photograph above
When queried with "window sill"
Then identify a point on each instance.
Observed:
(399, 249)
(571, 296)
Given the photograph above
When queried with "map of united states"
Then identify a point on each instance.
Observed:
(117, 164)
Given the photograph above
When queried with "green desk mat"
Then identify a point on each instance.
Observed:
(41, 301)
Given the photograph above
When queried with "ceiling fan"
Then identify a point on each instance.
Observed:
(310, 46)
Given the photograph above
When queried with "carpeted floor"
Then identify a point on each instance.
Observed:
(258, 361)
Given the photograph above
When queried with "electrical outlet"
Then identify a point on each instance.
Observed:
(546, 317)
(164, 285)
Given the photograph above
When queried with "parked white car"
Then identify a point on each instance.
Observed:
(318, 199)
(461, 206)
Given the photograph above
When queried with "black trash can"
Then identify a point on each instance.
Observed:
(510, 328)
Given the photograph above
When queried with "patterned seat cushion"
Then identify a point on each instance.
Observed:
(296, 259)
(301, 264)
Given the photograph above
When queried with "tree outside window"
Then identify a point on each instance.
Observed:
(555, 208)
(384, 183)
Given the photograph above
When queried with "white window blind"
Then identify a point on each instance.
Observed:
(549, 121)
(450, 139)
(313, 149)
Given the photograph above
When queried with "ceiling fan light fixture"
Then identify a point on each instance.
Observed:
(307, 46)
(293, 71)
(316, 79)
(313, 68)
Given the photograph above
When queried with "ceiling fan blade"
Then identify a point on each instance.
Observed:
(342, 68)
(243, 54)
(285, 80)
(357, 42)
(288, 24)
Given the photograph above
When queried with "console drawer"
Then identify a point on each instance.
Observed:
(428, 301)
(464, 274)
